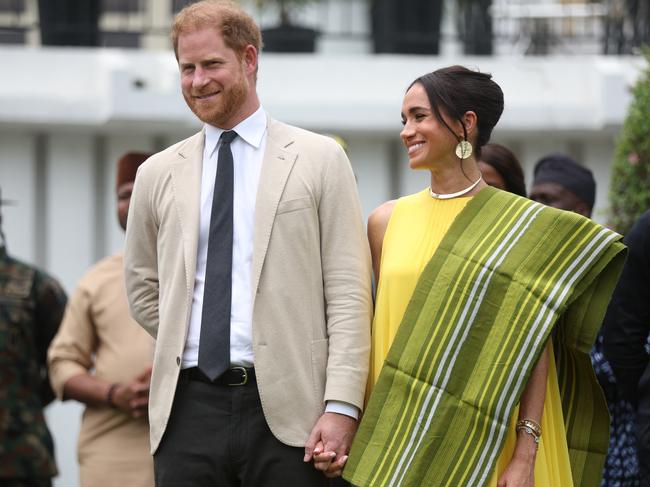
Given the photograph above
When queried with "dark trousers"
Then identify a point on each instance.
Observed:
(28, 482)
(217, 437)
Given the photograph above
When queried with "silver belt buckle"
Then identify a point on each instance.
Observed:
(244, 380)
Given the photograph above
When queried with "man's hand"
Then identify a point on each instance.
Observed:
(329, 443)
(133, 398)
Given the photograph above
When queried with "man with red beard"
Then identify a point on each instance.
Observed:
(246, 258)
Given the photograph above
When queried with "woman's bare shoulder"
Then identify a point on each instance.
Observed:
(378, 219)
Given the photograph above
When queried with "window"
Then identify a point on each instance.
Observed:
(177, 5)
(121, 6)
(12, 6)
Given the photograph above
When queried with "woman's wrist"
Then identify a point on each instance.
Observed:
(529, 434)
(526, 447)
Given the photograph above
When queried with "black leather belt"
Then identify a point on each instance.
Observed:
(235, 376)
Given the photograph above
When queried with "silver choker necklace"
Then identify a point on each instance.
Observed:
(448, 196)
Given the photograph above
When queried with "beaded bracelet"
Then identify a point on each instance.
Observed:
(109, 395)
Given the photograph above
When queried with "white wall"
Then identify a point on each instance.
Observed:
(17, 181)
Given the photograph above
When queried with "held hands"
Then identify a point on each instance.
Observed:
(329, 443)
(133, 398)
(327, 461)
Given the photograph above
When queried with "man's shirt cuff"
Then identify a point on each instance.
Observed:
(341, 407)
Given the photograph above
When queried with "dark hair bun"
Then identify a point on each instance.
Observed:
(456, 90)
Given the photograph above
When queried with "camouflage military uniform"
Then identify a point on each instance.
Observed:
(31, 308)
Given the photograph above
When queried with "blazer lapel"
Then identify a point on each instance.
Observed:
(186, 186)
(276, 166)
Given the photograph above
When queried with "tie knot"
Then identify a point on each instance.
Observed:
(228, 137)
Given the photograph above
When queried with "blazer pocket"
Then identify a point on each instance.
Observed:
(294, 205)
(319, 354)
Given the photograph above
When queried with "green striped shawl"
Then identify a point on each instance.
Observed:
(507, 271)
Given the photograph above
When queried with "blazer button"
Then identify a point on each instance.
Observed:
(178, 360)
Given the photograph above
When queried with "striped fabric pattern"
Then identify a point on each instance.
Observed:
(458, 365)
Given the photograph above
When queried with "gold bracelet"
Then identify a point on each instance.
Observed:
(533, 425)
(530, 431)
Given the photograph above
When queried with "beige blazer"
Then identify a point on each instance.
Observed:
(310, 281)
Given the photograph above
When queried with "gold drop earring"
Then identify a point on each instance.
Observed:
(463, 149)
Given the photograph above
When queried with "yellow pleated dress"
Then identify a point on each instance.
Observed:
(416, 227)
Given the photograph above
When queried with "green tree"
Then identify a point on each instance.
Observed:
(629, 192)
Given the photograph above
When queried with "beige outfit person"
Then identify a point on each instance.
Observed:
(98, 332)
(310, 276)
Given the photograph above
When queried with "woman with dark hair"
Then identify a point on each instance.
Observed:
(501, 169)
(471, 282)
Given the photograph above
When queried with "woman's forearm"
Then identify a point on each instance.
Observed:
(531, 406)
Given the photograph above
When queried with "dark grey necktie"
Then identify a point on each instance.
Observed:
(214, 344)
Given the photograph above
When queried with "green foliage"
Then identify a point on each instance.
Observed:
(629, 191)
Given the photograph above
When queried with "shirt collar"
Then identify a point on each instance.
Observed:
(251, 130)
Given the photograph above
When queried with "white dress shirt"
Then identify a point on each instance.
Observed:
(248, 153)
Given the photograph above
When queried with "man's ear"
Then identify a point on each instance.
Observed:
(250, 59)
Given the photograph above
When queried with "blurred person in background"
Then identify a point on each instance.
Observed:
(501, 169)
(31, 308)
(560, 182)
(625, 344)
(102, 358)
(563, 183)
